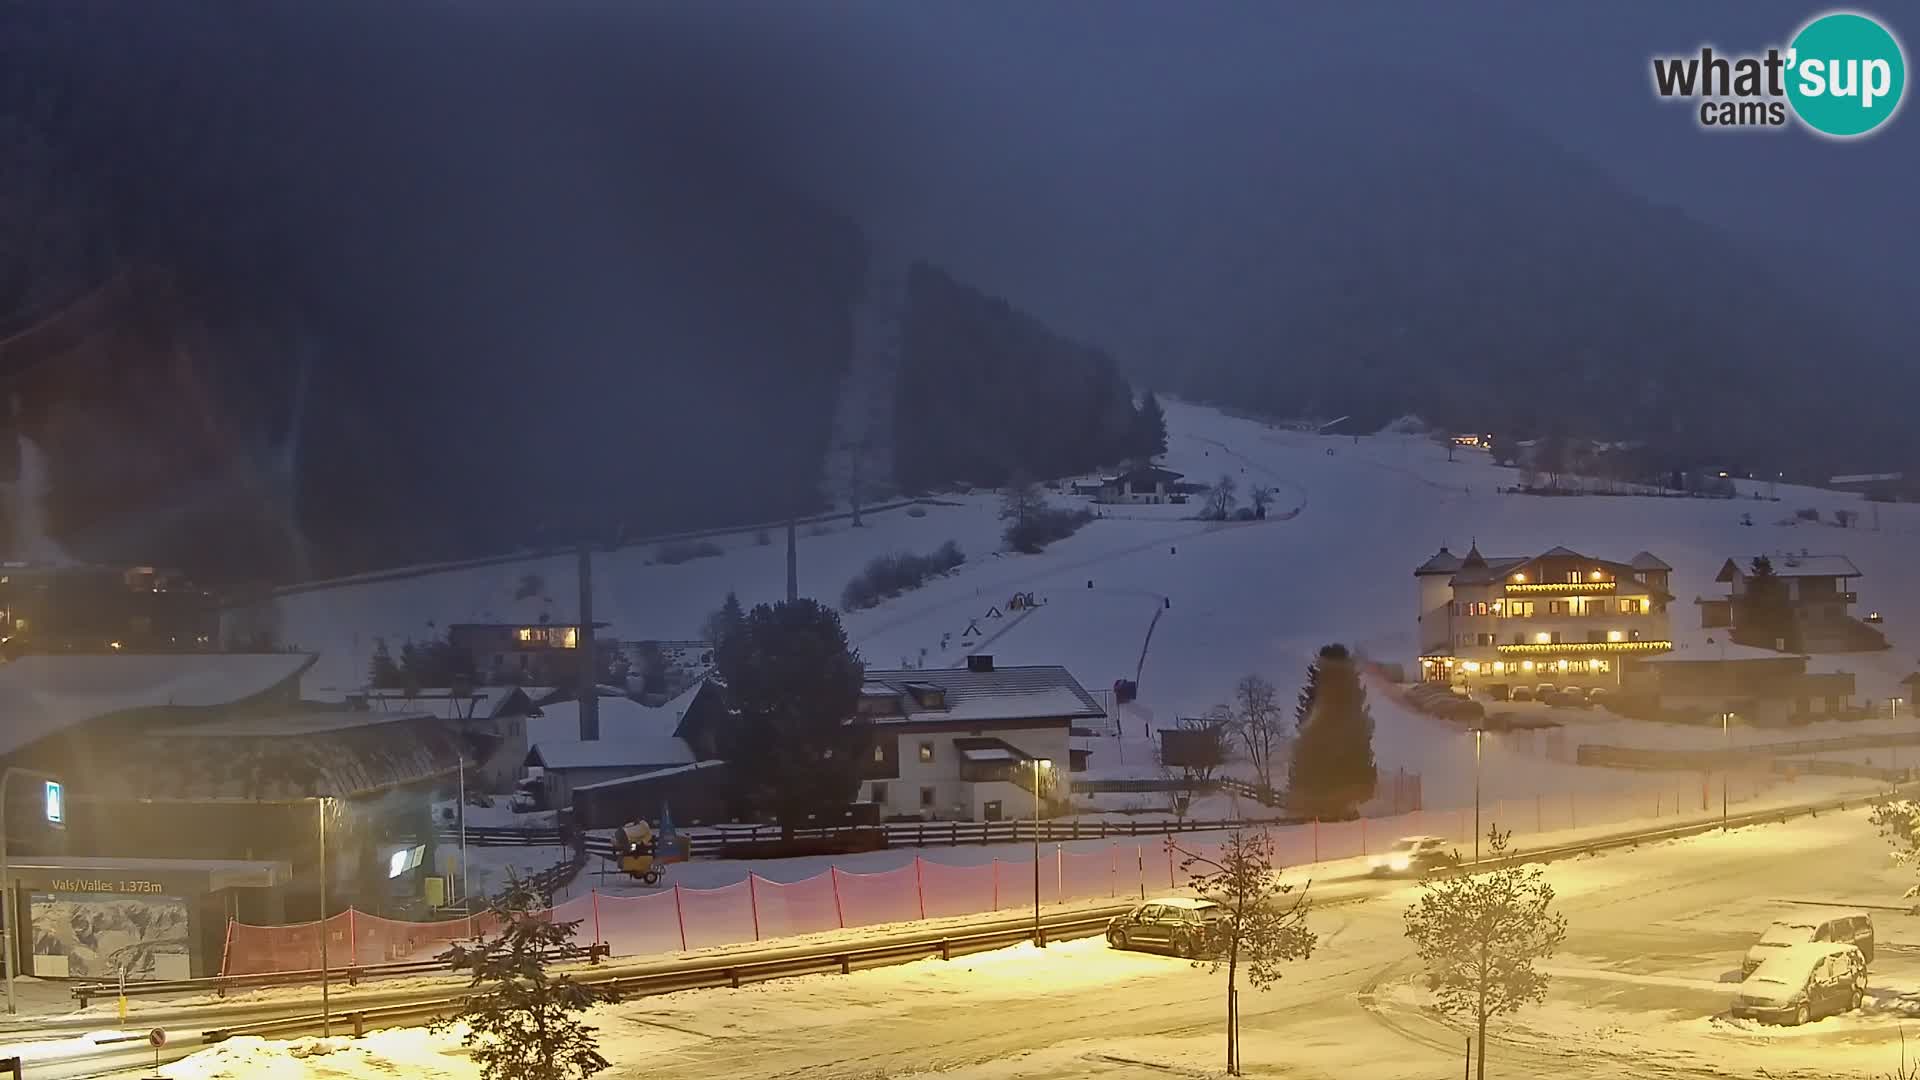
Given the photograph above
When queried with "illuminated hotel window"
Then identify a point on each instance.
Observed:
(1615, 635)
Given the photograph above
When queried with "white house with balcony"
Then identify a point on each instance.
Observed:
(1557, 617)
(968, 744)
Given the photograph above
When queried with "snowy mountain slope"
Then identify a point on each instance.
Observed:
(1220, 600)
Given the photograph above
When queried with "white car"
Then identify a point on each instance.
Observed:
(1410, 855)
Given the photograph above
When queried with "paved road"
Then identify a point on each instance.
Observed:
(1653, 931)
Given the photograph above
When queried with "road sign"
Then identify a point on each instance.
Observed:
(157, 1037)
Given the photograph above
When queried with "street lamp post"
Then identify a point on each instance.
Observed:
(1039, 939)
(1477, 734)
(1725, 763)
(326, 1004)
(56, 815)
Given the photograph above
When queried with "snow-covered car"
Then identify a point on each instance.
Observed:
(1180, 925)
(1410, 855)
(1804, 982)
(1814, 927)
(1520, 693)
(1570, 697)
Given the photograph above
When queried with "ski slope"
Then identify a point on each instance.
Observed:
(1333, 562)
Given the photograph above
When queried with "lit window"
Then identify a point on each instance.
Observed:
(1473, 667)
(879, 754)
(926, 753)
(571, 640)
(1499, 667)
(1563, 665)
(1526, 665)
(527, 633)
(1542, 638)
(1615, 635)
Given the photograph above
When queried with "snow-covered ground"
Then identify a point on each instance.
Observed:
(1220, 600)
(1641, 988)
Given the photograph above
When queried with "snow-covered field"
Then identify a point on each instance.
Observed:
(1229, 599)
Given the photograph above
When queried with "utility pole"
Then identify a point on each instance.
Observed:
(793, 561)
(589, 669)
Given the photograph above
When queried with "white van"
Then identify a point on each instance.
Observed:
(1804, 982)
(1814, 927)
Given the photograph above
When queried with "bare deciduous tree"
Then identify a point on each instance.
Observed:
(1263, 929)
(1261, 497)
(1480, 934)
(1256, 720)
(1222, 497)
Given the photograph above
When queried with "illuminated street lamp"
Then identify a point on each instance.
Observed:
(1726, 762)
(1039, 765)
(55, 809)
(326, 1004)
(1478, 733)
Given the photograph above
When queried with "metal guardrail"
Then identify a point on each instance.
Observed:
(351, 975)
(713, 973)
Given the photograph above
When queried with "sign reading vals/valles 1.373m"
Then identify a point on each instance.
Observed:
(103, 885)
(1842, 75)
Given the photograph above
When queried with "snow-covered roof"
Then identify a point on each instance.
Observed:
(1647, 560)
(41, 695)
(989, 749)
(650, 774)
(619, 752)
(1793, 566)
(1004, 693)
(1442, 562)
(620, 718)
(481, 702)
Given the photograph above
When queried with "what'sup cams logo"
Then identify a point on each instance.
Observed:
(1842, 76)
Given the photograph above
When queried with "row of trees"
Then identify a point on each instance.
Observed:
(1327, 751)
(1479, 929)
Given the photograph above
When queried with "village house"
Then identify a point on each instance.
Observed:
(1495, 623)
(971, 744)
(1142, 484)
(1819, 590)
(492, 719)
(529, 653)
(1758, 686)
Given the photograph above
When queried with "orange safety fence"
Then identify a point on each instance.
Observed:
(682, 918)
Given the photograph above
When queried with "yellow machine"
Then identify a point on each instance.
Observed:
(634, 846)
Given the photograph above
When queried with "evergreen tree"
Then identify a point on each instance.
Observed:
(1766, 617)
(721, 623)
(520, 1023)
(383, 673)
(1150, 430)
(793, 683)
(1332, 771)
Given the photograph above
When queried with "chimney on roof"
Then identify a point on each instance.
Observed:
(980, 662)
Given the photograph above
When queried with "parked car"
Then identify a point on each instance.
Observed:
(1816, 927)
(1410, 855)
(1521, 693)
(1570, 697)
(1804, 982)
(1544, 692)
(1178, 924)
(1597, 696)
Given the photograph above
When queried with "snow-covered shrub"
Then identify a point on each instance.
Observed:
(1043, 526)
(887, 576)
(916, 511)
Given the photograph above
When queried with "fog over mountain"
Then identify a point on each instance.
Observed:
(567, 270)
